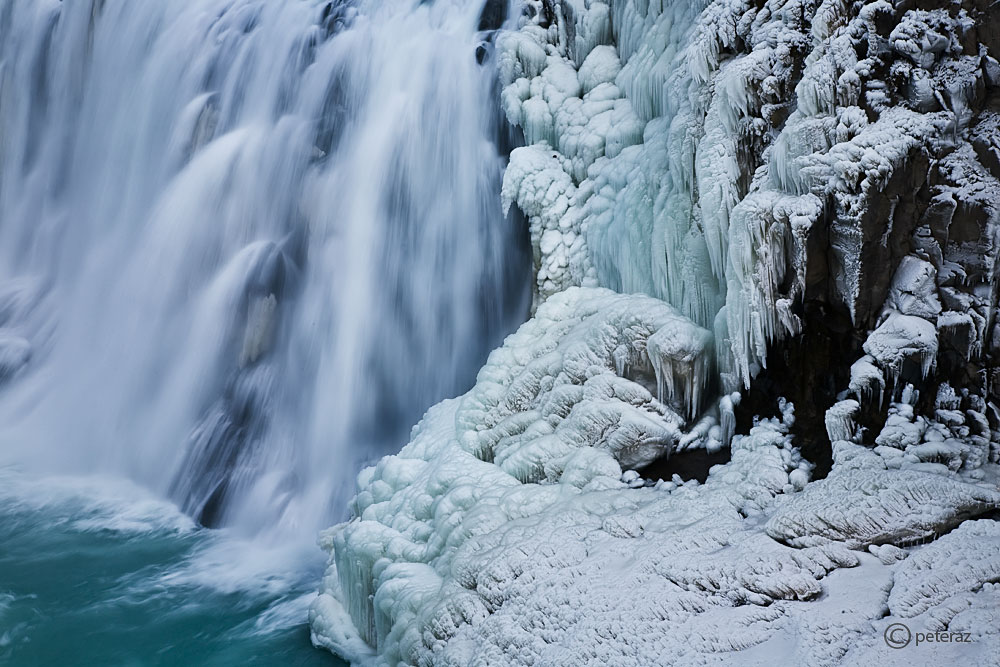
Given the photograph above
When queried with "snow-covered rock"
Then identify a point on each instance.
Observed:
(963, 561)
(453, 561)
(902, 338)
(861, 507)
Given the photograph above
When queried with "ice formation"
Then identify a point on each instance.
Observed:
(718, 204)
(805, 194)
(454, 561)
(864, 507)
(964, 561)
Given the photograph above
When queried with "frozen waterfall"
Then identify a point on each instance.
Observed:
(245, 244)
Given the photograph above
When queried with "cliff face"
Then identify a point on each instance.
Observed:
(801, 178)
(806, 196)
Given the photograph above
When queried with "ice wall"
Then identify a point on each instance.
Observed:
(810, 190)
(745, 163)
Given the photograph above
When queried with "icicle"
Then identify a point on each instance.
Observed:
(727, 416)
(840, 420)
(867, 380)
(681, 360)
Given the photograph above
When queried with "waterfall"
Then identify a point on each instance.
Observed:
(245, 243)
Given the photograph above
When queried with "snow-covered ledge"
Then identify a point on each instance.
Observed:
(505, 532)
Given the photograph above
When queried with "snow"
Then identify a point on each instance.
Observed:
(548, 406)
(902, 428)
(914, 289)
(963, 561)
(447, 544)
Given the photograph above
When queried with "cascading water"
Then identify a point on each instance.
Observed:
(244, 243)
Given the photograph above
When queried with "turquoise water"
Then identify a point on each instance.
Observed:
(96, 572)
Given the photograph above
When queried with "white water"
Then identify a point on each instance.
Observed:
(243, 243)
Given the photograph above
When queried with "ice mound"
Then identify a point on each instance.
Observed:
(452, 560)
(592, 368)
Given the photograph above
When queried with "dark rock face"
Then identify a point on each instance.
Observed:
(939, 203)
(493, 15)
(687, 465)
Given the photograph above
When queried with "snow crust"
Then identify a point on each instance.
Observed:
(961, 562)
(864, 507)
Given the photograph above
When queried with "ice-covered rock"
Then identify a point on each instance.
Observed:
(914, 289)
(783, 161)
(861, 507)
(903, 338)
(963, 561)
(763, 142)
(451, 560)
(840, 420)
(592, 368)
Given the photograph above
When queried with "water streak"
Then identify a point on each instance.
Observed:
(244, 243)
